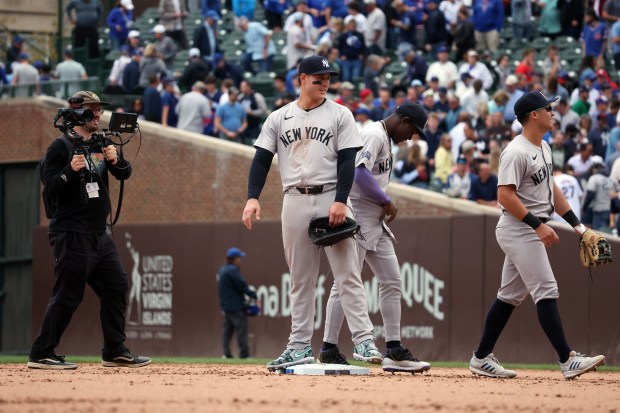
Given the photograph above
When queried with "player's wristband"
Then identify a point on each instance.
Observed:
(531, 220)
(571, 218)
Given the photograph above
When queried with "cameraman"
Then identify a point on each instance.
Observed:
(83, 251)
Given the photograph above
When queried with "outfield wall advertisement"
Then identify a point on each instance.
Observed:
(450, 270)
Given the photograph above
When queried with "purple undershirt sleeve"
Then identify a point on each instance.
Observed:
(369, 186)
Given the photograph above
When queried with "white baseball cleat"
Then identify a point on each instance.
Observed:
(367, 351)
(489, 367)
(577, 364)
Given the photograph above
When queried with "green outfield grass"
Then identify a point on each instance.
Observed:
(262, 362)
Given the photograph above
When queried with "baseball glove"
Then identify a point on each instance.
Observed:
(322, 235)
(594, 250)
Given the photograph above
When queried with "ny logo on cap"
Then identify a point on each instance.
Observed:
(326, 63)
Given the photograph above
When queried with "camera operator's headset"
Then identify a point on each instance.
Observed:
(76, 103)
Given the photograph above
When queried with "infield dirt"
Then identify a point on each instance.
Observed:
(252, 389)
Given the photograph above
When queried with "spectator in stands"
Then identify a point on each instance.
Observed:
(565, 114)
(521, 11)
(549, 24)
(355, 12)
(131, 73)
(416, 69)
(214, 95)
(405, 21)
(551, 64)
(206, 5)
(600, 190)
(351, 48)
(362, 118)
(585, 125)
(454, 112)
(611, 12)
(571, 17)
(599, 136)
(165, 46)
(613, 153)
(260, 47)
(3, 80)
(459, 181)
(527, 65)
(428, 100)
(463, 34)
(614, 141)
(488, 20)
(116, 74)
(471, 100)
(316, 9)
(444, 69)
(582, 161)
(133, 41)
(67, 71)
(373, 73)
(484, 187)
(376, 29)
(226, 70)
(255, 108)
(298, 44)
(513, 95)
(436, 35)
(443, 161)
(301, 7)
(169, 100)
(497, 129)
(433, 133)
(205, 38)
(463, 131)
(560, 152)
(601, 106)
(120, 20)
(192, 108)
(594, 38)
(274, 9)
(196, 71)
(413, 169)
(25, 77)
(347, 96)
(442, 106)
(562, 175)
(137, 107)
(86, 21)
(152, 101)
(151, 65)
(327, 37)
(385, 105)
(335, 8)
(244, 8)
(16, 48)
(477, 69)
(172, 15)
(582, 105)
(614, 34)
(586, 69)
(231, 118)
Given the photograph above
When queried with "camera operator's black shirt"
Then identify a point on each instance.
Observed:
(62, 181)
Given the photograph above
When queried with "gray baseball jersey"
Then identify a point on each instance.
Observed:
(307, 145)
(602, 186)
(375, 245)
(573, 193)
(526, 267)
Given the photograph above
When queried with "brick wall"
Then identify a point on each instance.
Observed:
(177, 176)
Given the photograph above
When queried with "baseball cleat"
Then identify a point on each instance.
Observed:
(400, 359)
(51, 363)
(577, 364)
(490, 367)
(125, 359)
(332, 356)
(368, 352)
(292, 357)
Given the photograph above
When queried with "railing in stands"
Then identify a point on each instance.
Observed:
(57, 88)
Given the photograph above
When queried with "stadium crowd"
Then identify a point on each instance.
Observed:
(451, 56)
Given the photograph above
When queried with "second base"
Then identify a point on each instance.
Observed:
(320, 369)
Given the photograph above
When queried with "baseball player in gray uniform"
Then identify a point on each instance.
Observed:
(316, 141)
(528, 196)
(373, 209)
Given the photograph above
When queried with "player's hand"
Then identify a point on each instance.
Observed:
(390, 211)
(337, 214)
(252, 207)
(78, 162)
(547, 235)
(110, 154)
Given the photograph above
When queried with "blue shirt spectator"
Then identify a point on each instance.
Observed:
(338, 8)
(488, 15)
(152, 102)
(119, 20)
(484, 187)
(594, 35)
(316, 9)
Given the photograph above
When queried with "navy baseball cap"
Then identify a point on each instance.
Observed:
(213, 15)
(530, 102)
(234, 252)
(316, 65)
(416, 114)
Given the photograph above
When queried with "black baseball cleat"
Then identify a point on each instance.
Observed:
(125, 359)
(332, 356)
(51, 363)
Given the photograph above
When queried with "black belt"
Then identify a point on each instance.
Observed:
(310, 190)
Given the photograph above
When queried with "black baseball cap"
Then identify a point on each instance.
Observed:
(316, 65)
(530, 102)
(416, 114)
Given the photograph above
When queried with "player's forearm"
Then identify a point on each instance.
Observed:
(510, 202)
(346, 174)
(258, 172)
(369, 186)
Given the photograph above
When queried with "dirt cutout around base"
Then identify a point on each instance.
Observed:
(252, 389)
